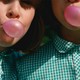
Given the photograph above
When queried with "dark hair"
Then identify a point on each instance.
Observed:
(49, 17)
(33, 37)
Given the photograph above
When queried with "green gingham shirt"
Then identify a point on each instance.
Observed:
(57, 60)
(7, 65)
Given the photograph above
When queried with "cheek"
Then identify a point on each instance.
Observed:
(57, 12)
(27, 19)
(29, 15)
(2, 8)
(58, 9)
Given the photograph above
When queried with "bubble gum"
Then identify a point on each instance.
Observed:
(13, 28)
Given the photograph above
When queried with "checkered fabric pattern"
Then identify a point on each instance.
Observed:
(7, 66)
(57, 60)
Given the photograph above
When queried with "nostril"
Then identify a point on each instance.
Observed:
(12, 15)
(72, 1)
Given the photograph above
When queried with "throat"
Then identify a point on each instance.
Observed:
(72, 36)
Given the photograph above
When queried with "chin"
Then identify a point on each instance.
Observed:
(8, 43)
(5, 45)
(73, 28)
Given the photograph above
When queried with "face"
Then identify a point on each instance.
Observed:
(20, 10)
(59, 7)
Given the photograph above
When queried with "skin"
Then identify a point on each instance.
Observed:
(17, 10)
(68, 32)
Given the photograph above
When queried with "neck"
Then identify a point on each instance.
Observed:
(2, 49)
(72, 36)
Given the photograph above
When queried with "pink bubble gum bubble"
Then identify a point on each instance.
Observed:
(72, 15)
(13, 28)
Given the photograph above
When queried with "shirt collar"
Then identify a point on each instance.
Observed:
(62, 45)
(6, 53)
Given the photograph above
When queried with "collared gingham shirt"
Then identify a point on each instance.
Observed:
(57, 60)
(8, 65)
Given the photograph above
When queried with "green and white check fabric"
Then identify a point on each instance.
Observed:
(76, 59)
(74, 50)
(57, 60)
(7, 66)
(1, 71)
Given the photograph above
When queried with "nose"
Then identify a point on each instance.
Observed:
(14, 10)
